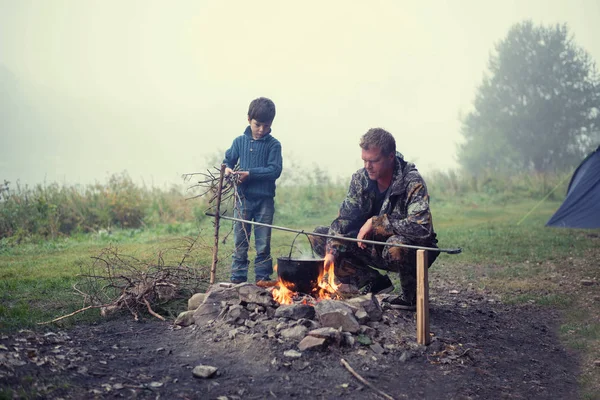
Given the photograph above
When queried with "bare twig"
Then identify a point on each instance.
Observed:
(68, 315)
(364, 381)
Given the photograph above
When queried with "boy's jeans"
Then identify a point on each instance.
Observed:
(257, 210)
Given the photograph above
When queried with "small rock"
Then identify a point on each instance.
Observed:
(155, 384)
(297, 332)
(361, 316)
(195, 301)
(299, 365)
(295, 311)
(348, 339)
(587, 282)
(204, 371)
(405, 356)
(367, 330)
(377, 349)
(185, 318)
(311, 343)
(292, 354)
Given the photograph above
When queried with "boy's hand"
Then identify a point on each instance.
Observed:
(242, 175)
(228, 171)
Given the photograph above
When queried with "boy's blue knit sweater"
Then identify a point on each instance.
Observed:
(261, 158)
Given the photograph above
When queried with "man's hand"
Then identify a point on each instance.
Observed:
(364, 233)
(329, 261)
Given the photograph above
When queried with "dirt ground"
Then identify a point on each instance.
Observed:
(481, 349)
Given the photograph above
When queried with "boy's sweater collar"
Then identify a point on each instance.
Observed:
(248, 132)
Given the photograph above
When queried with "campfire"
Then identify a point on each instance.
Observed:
(286, 291)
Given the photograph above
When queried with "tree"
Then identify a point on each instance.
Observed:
(537, 109)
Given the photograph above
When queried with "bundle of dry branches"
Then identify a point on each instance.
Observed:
(116, 281)
(209, 184)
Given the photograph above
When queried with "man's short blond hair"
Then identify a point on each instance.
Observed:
(380, 138)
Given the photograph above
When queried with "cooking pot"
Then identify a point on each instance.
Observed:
(300, 275)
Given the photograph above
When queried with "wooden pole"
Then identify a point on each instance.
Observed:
(215, 258)
(422, 298)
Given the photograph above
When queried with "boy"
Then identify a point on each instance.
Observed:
(260, 163)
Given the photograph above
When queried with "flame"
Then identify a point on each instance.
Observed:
(284, 293)
(327, 286)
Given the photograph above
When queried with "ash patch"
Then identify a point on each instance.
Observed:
(480, 349)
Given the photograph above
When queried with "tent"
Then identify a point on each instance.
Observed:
(581, 208)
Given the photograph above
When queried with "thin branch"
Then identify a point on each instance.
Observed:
(69, 315)
(364, 381)
(151, 311)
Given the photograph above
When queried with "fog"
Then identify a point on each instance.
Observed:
(159, 89)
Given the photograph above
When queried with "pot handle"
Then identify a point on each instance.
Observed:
(296, 237)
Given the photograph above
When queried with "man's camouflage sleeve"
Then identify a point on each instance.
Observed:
(353, 213)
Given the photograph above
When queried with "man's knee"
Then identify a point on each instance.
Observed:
(319, 243)
(396, 254)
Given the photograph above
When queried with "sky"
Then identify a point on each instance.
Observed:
(160, 89)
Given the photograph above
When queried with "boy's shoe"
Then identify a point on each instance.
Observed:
(380, 285)
(264, 283)
(235, 281)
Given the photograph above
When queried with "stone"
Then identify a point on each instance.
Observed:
(270, 311)
(237, 315)
(332, 335)
(185, 318)
(298, 365)
(195, 301)
(249, 323)
(292, 354)
(377, 349)
(362, 317)
(211, 307)
(336, 314)
(204, 371)
(309, 323)
(295, 311)
(348, 339)
(251, 293)
(256, 308)
(367, 330)
(311, 343)
(369, 304)
(405, 356)
(297, 332)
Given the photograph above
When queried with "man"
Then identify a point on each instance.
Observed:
(387, 201)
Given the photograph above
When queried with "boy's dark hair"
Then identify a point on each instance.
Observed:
(262, 110)
(378, 137)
